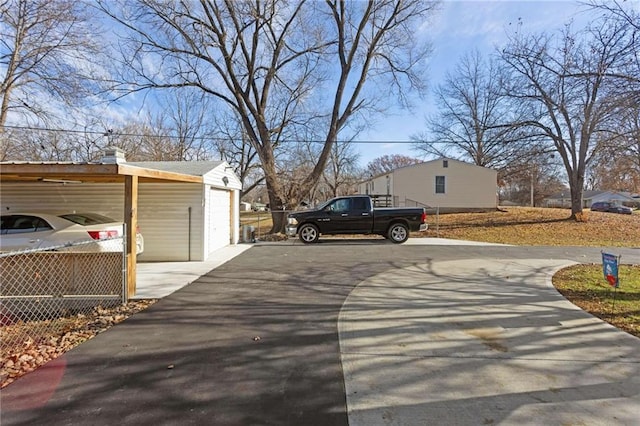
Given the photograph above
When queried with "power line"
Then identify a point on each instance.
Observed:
(111, 133)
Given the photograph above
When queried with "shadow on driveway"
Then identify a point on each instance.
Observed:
(252, 342)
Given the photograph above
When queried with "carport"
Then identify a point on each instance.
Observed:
(113, 170)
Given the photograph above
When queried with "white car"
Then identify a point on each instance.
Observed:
(22, 231)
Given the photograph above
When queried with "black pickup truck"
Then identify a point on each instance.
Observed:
(355, 214)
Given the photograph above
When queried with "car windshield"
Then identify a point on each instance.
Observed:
(86, 219)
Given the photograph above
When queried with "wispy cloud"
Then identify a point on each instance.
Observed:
(461, 26)
(487, 23)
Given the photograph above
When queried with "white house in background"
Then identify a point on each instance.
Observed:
(180, 220)
(563, 199)
(447, 184)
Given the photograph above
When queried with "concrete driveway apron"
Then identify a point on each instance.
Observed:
(477, 342)
(255, 342)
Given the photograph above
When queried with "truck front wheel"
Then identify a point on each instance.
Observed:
(398, 233)
(308, 233)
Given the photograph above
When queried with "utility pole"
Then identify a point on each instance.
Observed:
(531, 185)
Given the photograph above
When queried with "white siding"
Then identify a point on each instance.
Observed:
(466, 185)
(163, 211)
(106, 199)
(235, 216)
(215, 177)
(380, 185)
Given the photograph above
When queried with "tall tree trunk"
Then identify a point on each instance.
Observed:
(277, 203)
(576, 185)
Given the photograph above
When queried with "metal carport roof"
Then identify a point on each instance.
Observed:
(104, 172)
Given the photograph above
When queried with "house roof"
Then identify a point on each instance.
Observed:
(425, 163)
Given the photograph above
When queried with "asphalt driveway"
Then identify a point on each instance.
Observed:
(256, 341)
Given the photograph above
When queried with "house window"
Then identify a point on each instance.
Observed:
(445, 163)
(440, 185)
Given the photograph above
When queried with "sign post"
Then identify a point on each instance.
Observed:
(610, 266)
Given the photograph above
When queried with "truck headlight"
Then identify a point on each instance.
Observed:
(292, 221)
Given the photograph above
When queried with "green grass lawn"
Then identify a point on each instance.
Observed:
(585, 286)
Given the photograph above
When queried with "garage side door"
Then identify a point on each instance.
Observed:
(219, 219)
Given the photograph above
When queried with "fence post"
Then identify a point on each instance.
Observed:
(125, 287)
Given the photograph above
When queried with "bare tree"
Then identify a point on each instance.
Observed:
(43, 145)
(474, 118)
(186, 114)
(571, 90)
(232, 145)
(531, 180)
(277, 64)
(177, 128)
(143, 139)
(342, 172)
(44, 50)
(619, 11)
(616, 164)
(387, 163)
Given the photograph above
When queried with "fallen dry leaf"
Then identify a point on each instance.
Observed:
(29, 354)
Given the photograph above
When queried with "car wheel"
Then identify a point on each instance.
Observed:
(308, 233)
(398, 233)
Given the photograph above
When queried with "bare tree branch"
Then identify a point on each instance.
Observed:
(568, 88)
(272, 63)
(46, 54)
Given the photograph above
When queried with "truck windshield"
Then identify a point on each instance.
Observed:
(325, 204)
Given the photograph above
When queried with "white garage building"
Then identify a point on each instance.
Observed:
(185, 210)
(187, 221)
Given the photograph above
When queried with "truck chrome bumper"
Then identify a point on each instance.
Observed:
(423, 227)
(291, 231)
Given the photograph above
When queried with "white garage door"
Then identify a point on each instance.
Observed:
(219, 219)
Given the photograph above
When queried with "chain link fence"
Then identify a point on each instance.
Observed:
(42, 291)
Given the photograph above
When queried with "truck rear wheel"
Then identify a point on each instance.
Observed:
(308, 233)
(398, 233)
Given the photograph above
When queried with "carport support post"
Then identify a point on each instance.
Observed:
(131, 220)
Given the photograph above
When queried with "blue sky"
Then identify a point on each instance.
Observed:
(459, 27)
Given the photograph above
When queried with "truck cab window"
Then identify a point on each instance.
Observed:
(341, 205)
(360, 204)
